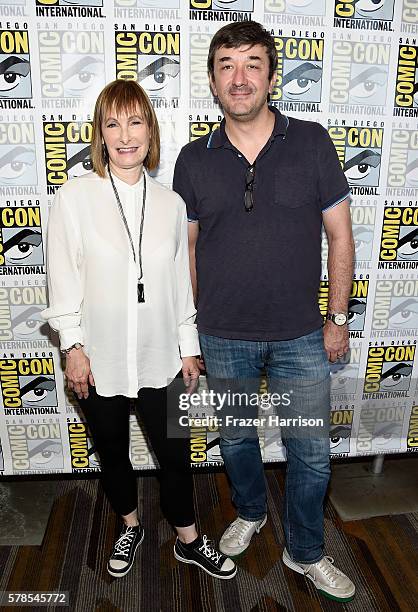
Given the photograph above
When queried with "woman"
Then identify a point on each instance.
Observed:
(121, 300)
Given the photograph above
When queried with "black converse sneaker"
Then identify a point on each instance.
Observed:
(201, 552)
(124, 550)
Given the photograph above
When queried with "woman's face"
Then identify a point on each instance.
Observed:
(126, 137)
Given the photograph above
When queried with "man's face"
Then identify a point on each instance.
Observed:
(241, 80)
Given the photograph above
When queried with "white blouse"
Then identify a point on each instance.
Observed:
(92, 282)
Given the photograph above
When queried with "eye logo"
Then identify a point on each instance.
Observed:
(17, 155)
(399, 241)
(339, 438)
(404, 314)
(38, 391)
(344, 377)
(395, 305)
(389, 370)
(21, 245)
(26, 324)
(300, 80)
(380, 428)
(67, 151)
(45, 454)
(21, 236)
(36, 447)
(79, 162)
(159, 75)
(71, 64)
(356, 314)
(359, 75)
(17, 165)
(387, 435)
(152, 59)
(395, 376)
(364, 10)
(20, 314)
(82, 77)
(299, 70)
(359, 151)
(340, 430)
(356, 306)
(15, 75)
(360, 165)
(28, 383)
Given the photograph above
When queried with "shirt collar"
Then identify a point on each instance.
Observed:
(218, 137)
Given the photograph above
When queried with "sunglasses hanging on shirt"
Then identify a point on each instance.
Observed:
(140, 284)
(249, 187)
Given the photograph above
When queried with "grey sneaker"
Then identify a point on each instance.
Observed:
(237, 537)
(329, 580)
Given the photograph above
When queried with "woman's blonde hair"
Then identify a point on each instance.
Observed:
(121, 97)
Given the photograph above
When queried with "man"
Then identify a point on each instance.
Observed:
(257, 191)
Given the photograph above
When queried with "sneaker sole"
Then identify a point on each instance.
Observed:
(293, 566)
(123, 573)
(221, 576)
(237, 554)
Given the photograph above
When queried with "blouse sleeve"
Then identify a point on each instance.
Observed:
(186, 312)
(65, 283)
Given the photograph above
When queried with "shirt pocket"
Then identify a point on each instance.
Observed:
(294, 185)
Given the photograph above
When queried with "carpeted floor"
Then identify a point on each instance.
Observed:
(380, 555)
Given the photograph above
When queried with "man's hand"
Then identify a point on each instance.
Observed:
(191, 373)
(78, 373)
(335, 340)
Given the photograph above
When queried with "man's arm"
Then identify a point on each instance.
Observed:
(337, 223)
(193, 231)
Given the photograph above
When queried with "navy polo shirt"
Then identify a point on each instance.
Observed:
(258, 272)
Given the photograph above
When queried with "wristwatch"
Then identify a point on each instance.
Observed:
(339, 318)
(77, 346)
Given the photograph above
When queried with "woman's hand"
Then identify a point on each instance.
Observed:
(191, 373)
(78, 373)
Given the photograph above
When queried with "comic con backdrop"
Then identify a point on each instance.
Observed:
(350, 65)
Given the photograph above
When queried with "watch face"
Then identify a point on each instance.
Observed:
(340, 318)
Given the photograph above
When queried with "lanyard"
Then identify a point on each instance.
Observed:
(140, 286)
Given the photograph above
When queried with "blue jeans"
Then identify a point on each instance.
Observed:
(299, 367)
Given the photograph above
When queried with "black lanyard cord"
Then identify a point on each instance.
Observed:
(141, 227)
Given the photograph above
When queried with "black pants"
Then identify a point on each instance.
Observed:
(108, 420)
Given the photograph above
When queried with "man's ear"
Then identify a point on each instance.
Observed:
(213, 86)
(272, 82)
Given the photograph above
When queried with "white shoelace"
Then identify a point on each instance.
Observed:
(326, 567)
(123, 543)
(209, 551)
(240, 528)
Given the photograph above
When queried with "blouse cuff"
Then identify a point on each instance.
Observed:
(68, 337)
(189, 347)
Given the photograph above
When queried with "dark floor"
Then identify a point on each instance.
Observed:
(380, 554)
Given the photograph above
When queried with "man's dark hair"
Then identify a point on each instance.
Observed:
(240, 33)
